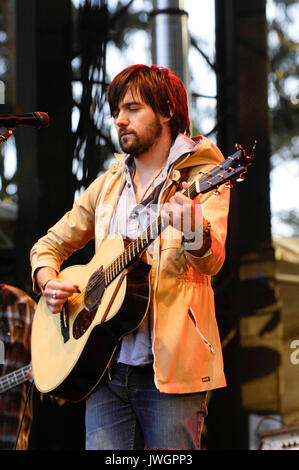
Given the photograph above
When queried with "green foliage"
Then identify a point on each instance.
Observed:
(284, 70)
(95, 26)
(290, 218)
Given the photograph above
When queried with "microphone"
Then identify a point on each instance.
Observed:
(36, 119)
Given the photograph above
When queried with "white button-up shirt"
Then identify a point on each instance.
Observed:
(131, 219)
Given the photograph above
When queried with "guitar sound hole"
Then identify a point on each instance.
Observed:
(94, 290)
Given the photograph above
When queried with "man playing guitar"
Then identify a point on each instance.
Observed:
(153, 392)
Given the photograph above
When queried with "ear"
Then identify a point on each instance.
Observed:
(165, 119)
(168, 118)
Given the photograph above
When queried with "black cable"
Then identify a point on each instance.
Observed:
(23, 414)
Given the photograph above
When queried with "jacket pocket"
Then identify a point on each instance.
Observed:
(205, 341)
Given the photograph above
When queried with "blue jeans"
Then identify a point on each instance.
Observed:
(127, 412)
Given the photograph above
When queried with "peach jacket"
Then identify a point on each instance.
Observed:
(186, 344)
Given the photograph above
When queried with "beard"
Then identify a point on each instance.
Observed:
(137, 144)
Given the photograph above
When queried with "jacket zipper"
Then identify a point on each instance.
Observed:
(206, 342)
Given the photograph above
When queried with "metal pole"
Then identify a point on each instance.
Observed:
(170, 38)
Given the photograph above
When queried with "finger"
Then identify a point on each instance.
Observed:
(185, 216)
(29, 373)
(53, 305)
(54, 309)
(179, 198)
(56, 295)
(185, 185)
(69, 289)
(165, 212)
(56, 304)
(55, 299)
(62, 286)
(173, 213)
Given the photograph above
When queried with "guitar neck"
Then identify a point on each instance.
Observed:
(230, 168)
(14, 378)
(133, 250)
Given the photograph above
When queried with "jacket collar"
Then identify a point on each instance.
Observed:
(203, 152)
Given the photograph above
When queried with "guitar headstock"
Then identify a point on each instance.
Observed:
(233, 168)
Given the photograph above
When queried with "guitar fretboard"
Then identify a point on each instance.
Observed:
(210, 180)
(14, 378)
(135, 247)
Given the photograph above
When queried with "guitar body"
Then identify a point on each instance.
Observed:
(72, 350)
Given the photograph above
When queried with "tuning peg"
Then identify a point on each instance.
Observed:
(239, 147)
(240, 179)
(228, 185)
(253, 149)
(216, 192)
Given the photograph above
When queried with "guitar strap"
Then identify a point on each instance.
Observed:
(177, 184)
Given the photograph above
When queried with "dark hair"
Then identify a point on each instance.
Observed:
(158, 87)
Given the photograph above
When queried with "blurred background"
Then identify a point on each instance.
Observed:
(239, 62)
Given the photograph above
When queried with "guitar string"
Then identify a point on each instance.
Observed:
(134, 246)
(112, 268)
(16, 375)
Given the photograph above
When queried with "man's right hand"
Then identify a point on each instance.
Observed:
(56, 291)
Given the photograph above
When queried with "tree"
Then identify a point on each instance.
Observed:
(284, 91)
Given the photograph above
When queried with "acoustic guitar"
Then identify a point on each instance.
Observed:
(71, 350)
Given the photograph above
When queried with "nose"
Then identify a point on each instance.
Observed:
(122, 120)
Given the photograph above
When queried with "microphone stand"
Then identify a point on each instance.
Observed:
(6, 135)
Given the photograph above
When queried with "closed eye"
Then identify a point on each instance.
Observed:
(129, 106)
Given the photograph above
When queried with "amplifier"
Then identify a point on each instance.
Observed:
(286, 438)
